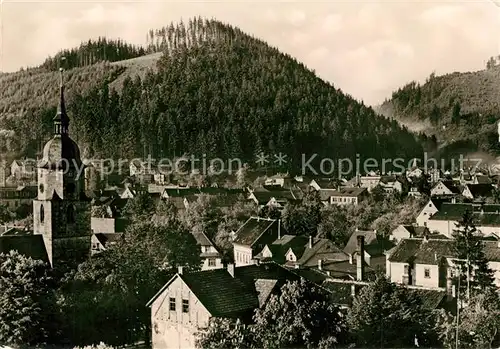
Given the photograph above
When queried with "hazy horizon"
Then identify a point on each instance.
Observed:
(366, 49)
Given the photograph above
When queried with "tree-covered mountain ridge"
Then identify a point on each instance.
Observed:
(460, 109)
(212, 90)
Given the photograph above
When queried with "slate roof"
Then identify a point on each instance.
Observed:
(221, 294)
(451, 211)
(492, 251)
(326, 183)
(431, 299)
(352, 244)
(477, 190)
(323, 249)
(202, 239)
(422, 252)
(226, 296)
(252, 229)
(27, 245)
(481, 179)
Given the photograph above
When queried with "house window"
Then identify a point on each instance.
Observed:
(185, 306)
(172, 304)
(211, 262)
(427, 273)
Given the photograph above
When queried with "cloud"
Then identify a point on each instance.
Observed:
(296, 17)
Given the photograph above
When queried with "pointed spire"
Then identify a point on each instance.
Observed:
(61, 120)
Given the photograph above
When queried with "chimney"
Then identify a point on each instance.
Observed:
(360, 258)
(310, 241)
(453, 200)
(320, 264)
(351, 260)
(230, 269)
(179, 270)
(279, 229)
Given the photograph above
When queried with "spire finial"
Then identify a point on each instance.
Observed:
(61, 81)
(61, 120)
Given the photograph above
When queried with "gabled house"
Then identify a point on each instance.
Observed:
(281, 181)
(274, 198)
(302, 252)
(102, 241)
(429, 262)
(445, 188)
(210, 256)
(325, 195)
(477, 191)
(414, 172)
(391, 184)
(252, 236)
(431, 207)
(369, 182)
(187, 302)
(413, 231)
(486, 218)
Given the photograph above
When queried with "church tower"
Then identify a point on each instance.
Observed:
(61, 212)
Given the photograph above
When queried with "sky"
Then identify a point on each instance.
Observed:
(366, 48)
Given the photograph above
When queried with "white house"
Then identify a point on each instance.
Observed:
(445, 188)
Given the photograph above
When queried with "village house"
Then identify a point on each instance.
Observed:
(188, 301)
(252, 236)
(391, 184)
(477, 191)
(429, 262)
(210, 256)
(374, 248)
(482, 179)
(486, 218)
(107, 215)
(445, 188)
(298, 251)
(281, 181)
(413, 231)
(102, 241)
(14, 197)
(274, 198)
(348, 196)
(323, 183)
(431, 207)
(23, 169)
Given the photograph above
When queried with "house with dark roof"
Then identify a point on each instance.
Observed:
(27, 244)
(430, 262)
(102, 241)
(188, 300)
(413, 231)
(298, 251)
(252, 236)
(275, 198)
(431, 207)
(324, 183)
(391, 184)
(443, 187)
(482, 179)
(210, 256)
(477, 191)
(486, 218)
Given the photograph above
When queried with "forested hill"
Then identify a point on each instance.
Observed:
(215, 91)
(461, 109)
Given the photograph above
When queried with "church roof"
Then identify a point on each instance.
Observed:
(27, 245)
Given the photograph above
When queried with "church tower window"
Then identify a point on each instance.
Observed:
(42, 214)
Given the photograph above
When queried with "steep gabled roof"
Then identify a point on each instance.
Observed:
(352, 244)
(222, 294)
(253, 228)
(27, 245)
(477, 190)
(422, 252)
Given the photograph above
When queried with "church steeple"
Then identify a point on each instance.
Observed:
(61, 120)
